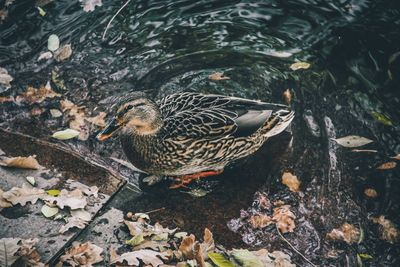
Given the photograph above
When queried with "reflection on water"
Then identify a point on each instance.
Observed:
(170, 46)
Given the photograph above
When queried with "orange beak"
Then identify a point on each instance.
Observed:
(109, 130)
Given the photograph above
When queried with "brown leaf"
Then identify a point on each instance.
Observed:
(73, 199)
(387, 165)
(63, 52)
(29, 252)
(87, 190)
(187, 246)
(390, 232)
(347, 232)
(33, 95)
(153, 245)
(287, 96)
(24, 195)
(284, 218)
(260, 221)
(73, 222)
(21, 162)
(397, 157)
(218, 76)
(370, 192)
(291, 181)
(149, 257)
(3, 202)
(263, 201)
(98, 120)
(82, 254)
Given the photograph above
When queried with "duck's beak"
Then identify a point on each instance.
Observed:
(109, 130)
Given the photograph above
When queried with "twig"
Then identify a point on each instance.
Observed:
(156, 210)
(298, 252)
(111, 20)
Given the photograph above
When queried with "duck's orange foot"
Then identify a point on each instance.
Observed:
(182, 181)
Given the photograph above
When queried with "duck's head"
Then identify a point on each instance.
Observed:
(136, 117)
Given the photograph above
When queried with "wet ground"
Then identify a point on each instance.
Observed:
(170, 46)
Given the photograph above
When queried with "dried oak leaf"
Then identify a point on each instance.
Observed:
(99, 119)
(29, 252)
(3, 202)
(284, 218)
(24, 195)
(21, 162)
(8, 251)
(387, 165)
(73, 222)
(370, 192)
(187, 246)
(389, 231)
(73, 199)
(147, 256)
(82, 254)
(63, 52)
(291, 181)
(347, 232)
(260, 221)
(153, 245)
(33, 95)
(192, 249)
(218, 76)
(87, 190)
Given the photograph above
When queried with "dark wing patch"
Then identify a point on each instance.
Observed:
(195, 116)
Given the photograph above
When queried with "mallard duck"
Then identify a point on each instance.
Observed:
(193, 135)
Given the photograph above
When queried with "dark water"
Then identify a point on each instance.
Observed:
(171, 46)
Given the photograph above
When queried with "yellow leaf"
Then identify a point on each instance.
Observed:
(300, 65)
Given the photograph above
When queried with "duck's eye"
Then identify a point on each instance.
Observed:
(128, 107)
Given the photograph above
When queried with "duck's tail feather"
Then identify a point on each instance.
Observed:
(277, 123)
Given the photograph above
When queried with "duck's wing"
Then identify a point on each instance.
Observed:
(195, 116)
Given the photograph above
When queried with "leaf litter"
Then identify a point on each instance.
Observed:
(291, 181)
(346, 232)
(12, 249)
(29, 162)
(82, 254)
(388, 229)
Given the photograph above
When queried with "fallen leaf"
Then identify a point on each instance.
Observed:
(33, 95)
(31, 180)
(53, 192)
(90, 5)
(77, 118)
(29, 253)
(53, 43)
(353, 141)
(300, 65)
(87, 190)
(8, 251)
(3, 202)
(59, 82)
(287, 96)
(45, 55)
(389, 231)
(63, 52)
(220, 260)
(198, 192)
(73, 222)
(41, 11)
(397, 157)
(134, 241)
(55, 113)
(82, 254)
(246, 259)
(49, 211)
(387, 165)
(65, 134)
(281, 259)
(382, 118)
(260, 221)
(81, 214)
(98, 120)
(347, 232)
(180, 235)
(154, 245)
(149, 257)
(24, 195)
(218, 76)
(365, 256)
(291, 181)
(284, 218)
(21, 162)
(370, 192)
(5, 78)
(187, 246)
(73, 199)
